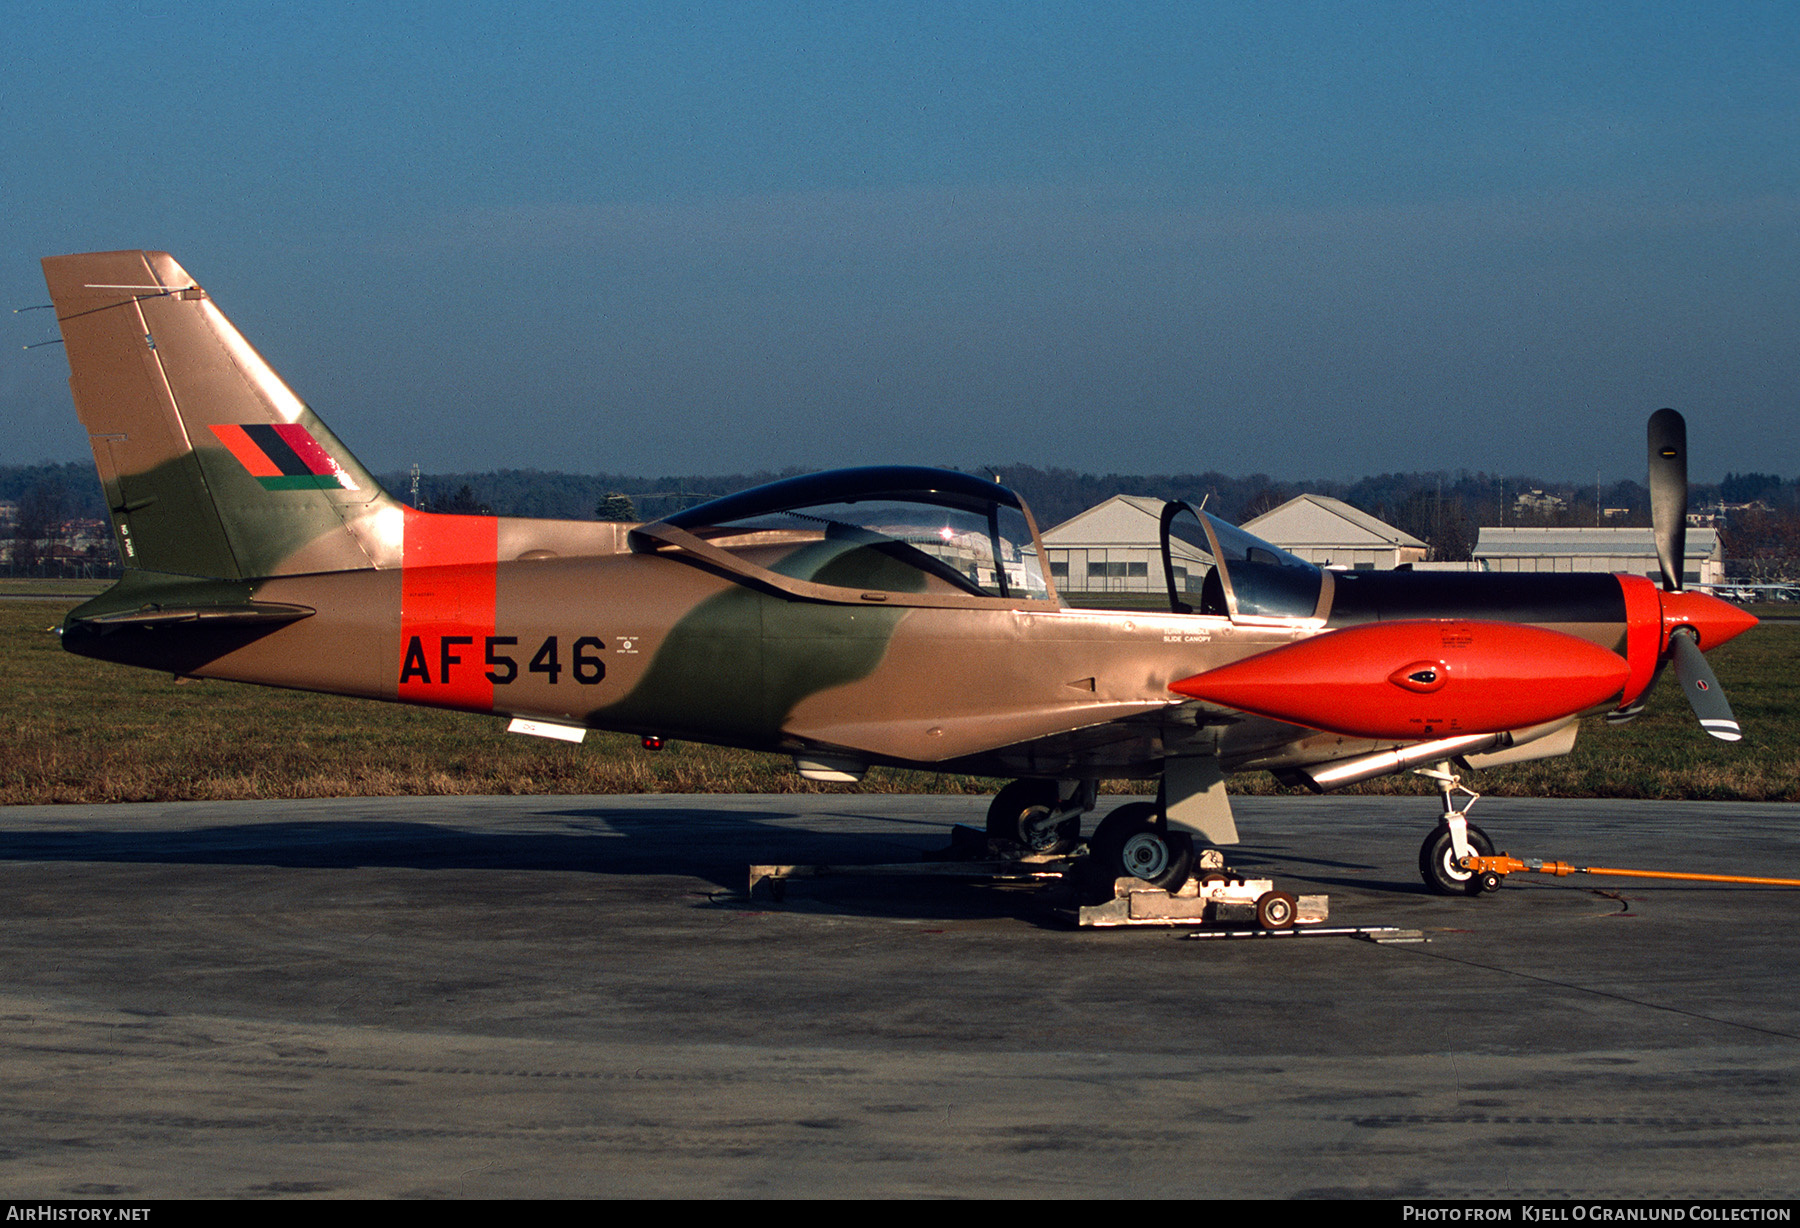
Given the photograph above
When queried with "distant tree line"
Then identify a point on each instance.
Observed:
(74, 482)
(569, 496)
(45, 504)
(1761, 512)
(1442, 509)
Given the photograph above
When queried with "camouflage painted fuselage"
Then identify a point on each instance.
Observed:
(258, 549)
(646, 643)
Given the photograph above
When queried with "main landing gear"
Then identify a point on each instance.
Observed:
(1452, 840)
(1043, 817)
(1134, 841)
(1139, 867)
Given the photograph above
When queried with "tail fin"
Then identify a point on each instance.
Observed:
(210, 463)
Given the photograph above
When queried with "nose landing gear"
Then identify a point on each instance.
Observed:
(1442, 869)
(1442, 855)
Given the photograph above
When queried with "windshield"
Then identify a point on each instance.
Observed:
(894, 528)
(1249, 577)
(1188, 562)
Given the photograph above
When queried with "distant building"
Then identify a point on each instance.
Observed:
(1610, 550)
(1536, 503)
(1331, 533)
(1712, 514)
(1116, 547)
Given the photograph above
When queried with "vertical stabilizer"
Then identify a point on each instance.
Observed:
(211, 465)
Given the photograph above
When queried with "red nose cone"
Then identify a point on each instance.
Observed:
(1419, 680)
(1716, 621)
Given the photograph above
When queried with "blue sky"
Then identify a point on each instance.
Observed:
(1307, 239)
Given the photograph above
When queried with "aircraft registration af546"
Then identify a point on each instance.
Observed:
(887, 615)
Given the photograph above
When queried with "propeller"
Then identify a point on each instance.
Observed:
(1702, 688)
(1667, 437)
(1668, 493)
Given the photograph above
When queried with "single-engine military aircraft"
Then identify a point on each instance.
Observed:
(887, 615)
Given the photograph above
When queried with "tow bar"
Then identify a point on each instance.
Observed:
(1491, 870)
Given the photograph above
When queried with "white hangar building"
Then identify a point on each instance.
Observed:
(1114, 546)
(1331, 533)
(1629, 550)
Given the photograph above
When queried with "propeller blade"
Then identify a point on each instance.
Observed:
(1703, 690)
(1668, 493)
(1624, 716)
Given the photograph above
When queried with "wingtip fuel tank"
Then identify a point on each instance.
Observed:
(1420, 679)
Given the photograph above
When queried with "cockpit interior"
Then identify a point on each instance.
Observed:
(942, 537)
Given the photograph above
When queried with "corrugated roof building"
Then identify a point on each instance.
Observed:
(1331, 533)
(1628, 550)
(1116, 547)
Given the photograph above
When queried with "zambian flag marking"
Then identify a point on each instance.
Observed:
(283, 456)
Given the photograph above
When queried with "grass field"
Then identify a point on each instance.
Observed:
(23, 586)
(87, 731)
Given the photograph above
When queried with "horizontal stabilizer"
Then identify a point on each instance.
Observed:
(254, 613)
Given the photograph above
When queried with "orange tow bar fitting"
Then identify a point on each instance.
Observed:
(1503, 865)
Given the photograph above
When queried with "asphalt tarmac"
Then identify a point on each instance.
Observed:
(572, 996)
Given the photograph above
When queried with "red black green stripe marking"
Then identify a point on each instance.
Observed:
(283, 456)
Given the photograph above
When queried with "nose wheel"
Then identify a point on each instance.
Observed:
(1441, 869)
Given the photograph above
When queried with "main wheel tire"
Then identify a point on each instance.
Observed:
(1038, 834)
(1016, 816)
(1134, 842)
(1437, 861)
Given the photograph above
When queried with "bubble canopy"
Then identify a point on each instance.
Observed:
(971, 535)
